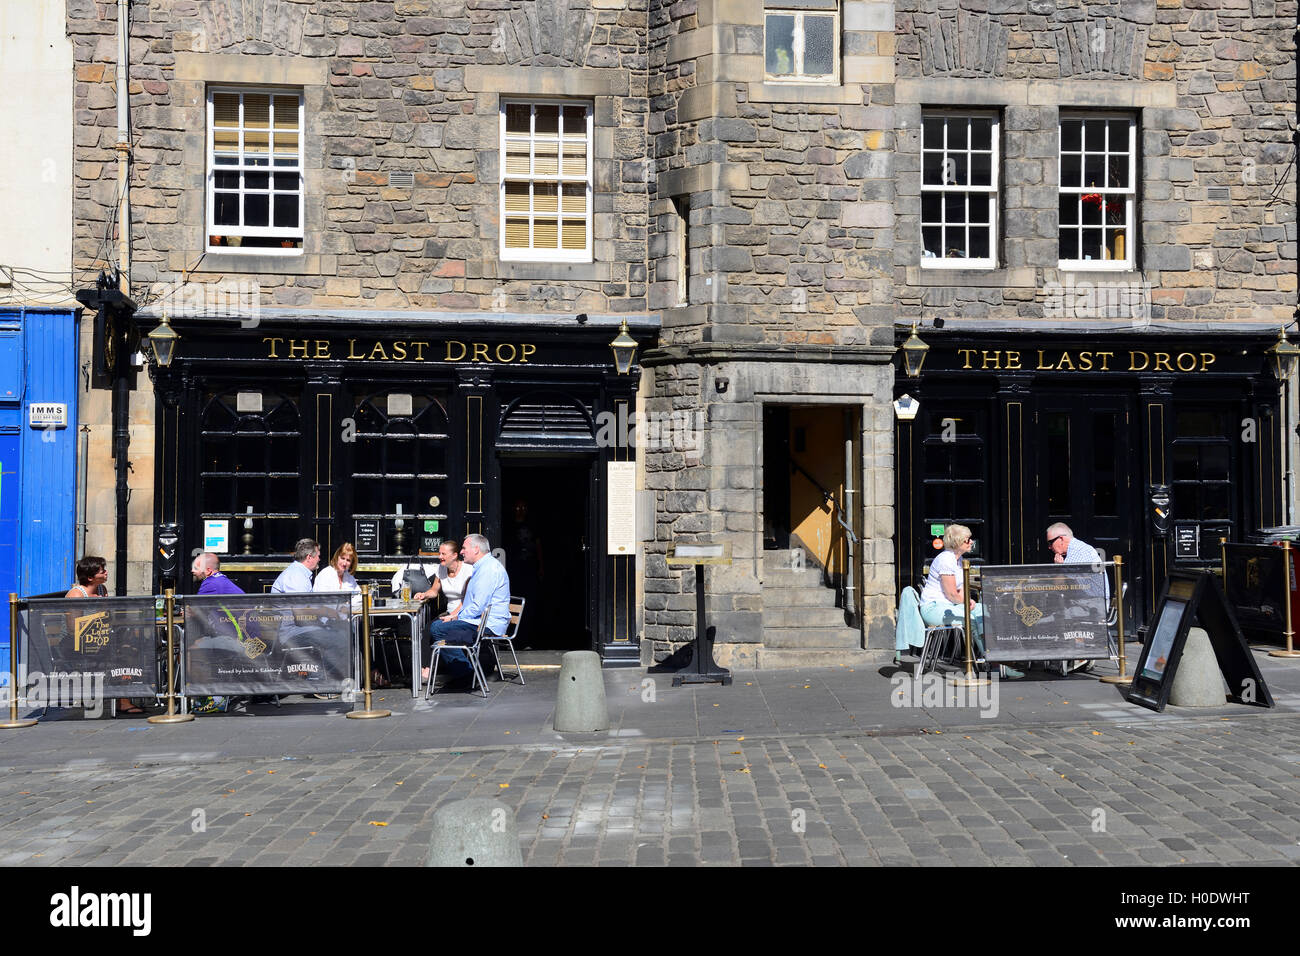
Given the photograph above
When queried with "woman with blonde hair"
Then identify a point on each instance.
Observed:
(942, 600)
(337, 575)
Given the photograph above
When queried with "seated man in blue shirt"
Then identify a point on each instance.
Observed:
(297, 576)
(487, 593)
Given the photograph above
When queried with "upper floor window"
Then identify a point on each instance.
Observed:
(959, 189)
(546, 181)
(1098, 197)
(255, 169)
(803, 44)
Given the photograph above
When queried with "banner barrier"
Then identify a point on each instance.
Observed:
(88, 650)
(1044, 612)
(267, 644)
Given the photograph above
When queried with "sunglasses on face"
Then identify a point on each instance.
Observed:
(1054, 540)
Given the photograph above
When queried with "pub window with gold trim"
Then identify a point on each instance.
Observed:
(546, 182)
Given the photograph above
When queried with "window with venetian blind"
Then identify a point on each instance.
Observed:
(546, 181)
(255, 169)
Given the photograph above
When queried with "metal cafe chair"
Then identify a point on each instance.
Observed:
(508, 638)
(939, 641)
(470, 650)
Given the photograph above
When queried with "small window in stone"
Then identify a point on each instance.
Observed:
(546, 183)
(682, 237)
(802, 41)
(254, 188)
(1098, 194)
(959, 189)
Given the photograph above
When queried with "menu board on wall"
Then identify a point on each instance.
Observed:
(620, 498)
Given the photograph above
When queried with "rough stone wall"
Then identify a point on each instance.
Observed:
(1213, 84)
(399, 85)
(791, 194)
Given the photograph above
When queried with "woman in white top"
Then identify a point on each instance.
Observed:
(337, 575)
(942, 598)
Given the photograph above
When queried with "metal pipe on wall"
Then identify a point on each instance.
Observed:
(83, 470)
(121, 384)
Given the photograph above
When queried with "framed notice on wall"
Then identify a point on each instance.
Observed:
(621, 504)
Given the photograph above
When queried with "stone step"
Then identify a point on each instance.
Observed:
(781, 658)
(812, 638)
(814, 597)
(808, 578)
(801, 617)
(784, 561)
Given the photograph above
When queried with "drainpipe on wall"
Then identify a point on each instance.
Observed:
(83, 468)
(121, 384)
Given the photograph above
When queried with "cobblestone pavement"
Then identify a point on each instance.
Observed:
(1194, 791)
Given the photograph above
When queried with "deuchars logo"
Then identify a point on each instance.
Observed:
(102, 909)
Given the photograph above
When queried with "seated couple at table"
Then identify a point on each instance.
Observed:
(477, 586)
(942, 599)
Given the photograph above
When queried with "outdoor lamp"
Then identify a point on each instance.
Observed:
(1283, 353)
(164, 339)
(624, 348)
(914, 354)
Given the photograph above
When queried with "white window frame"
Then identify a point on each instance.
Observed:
(1128, 263)
(939, 262)
(210, 227)
(559, 254)
(798, 76)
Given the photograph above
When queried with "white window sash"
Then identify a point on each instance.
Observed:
(1129, 192)
(559, 254)
(982, 262)
(798, 42)
(241, 167)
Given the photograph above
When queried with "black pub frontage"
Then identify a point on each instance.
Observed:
(1151, 444)
(396, 430)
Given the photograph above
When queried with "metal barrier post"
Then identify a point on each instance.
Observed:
(171, 717)
(365, 638)
(13, 723)
(1123, 677)
(969, 680)
(1286, 602)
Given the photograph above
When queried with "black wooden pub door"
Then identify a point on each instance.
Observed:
(1087, 475)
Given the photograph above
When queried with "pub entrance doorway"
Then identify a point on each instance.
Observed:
(547, 531)
(1087, 474)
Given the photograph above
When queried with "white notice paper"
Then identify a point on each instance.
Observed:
(621, 504)
(216, 536)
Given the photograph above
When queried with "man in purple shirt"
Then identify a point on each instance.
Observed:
(207, 571)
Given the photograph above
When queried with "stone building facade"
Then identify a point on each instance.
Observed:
(765, 220)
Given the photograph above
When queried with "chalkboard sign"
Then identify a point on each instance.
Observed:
(1255, 586)
(1195, 597)
(1044, 612)
(367, 537)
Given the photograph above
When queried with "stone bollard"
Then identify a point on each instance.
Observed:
(1198, 681)
(474, 832)
(580, 701)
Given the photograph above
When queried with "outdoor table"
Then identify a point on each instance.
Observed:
(416, 612)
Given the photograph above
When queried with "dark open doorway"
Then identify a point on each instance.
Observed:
(548, 545)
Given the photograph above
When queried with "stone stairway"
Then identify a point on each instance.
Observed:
(802, 627)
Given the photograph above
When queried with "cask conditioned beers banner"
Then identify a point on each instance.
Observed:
(268, 644)
(79, 649)
(1044, 612)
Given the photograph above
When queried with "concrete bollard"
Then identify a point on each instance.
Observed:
(580, 701)
(474, 832)
(1198, 682)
